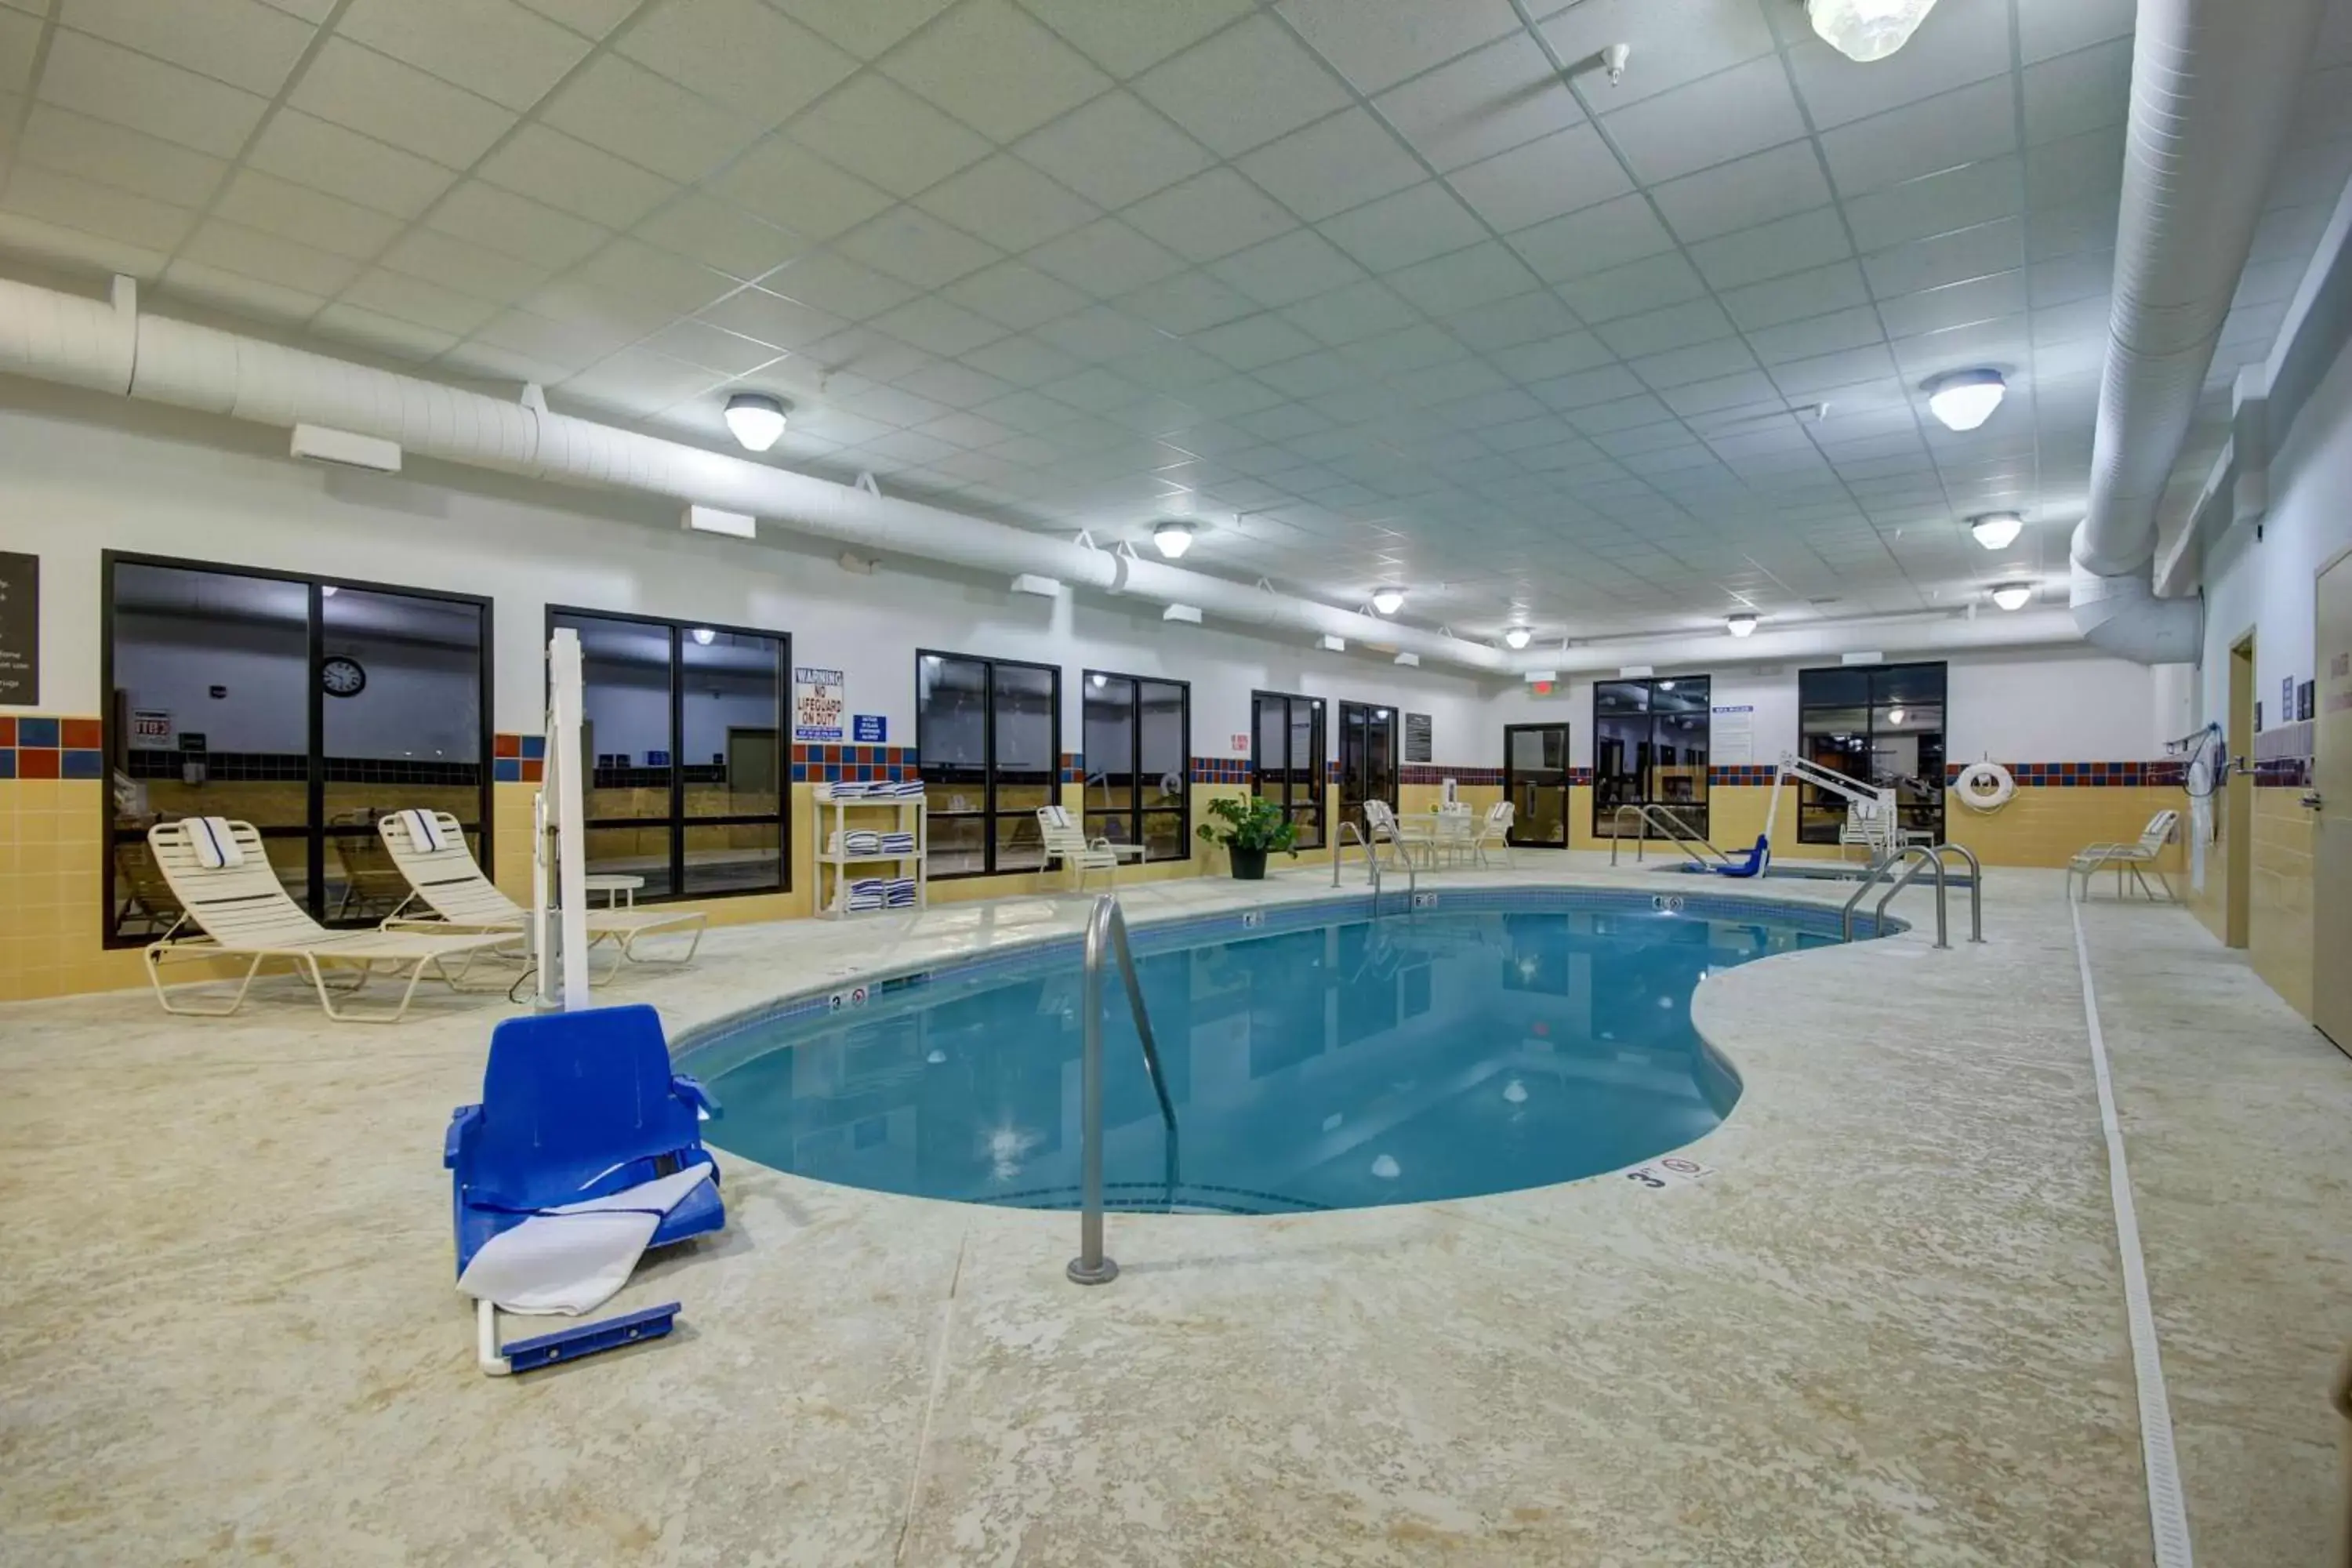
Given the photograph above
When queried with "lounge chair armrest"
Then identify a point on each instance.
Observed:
(462, 1121)
(690, 1091)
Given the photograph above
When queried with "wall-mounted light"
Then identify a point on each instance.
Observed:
(2012, 596)
(1518, 637)
(1388, 600)
(1997, 529)
(1964, 399)
(1330, 644)
(1868, 30)
(1173, 537)
(1742, 624)
(704, 635)
(755, 419)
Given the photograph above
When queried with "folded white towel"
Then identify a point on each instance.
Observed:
(424, 830)
(573, 1257)
(213, 842)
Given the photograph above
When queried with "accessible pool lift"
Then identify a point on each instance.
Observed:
(1872, 818)
(558, 853)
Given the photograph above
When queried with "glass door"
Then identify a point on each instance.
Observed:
(1535, 780)
(1287, 735)
(1368, 759)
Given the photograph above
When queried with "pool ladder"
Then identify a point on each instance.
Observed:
(1922, 859)
(1678, 832)
(1106, 934)
(1348, 829)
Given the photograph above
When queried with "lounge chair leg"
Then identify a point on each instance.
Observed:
(155, 976)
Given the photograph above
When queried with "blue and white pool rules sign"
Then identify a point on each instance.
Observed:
(869, 729)
(818, 704)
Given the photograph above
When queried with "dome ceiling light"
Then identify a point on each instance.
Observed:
(1964, 399)
(755, 419)
(1742, 624)
(1518, 637)
(1868, 30)
(2012, 596)
(1997, 529)
(1388, 599)
(1173, 537)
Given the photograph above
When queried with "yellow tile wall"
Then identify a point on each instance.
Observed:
(2279, 934)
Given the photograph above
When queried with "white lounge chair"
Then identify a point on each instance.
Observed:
(1066, 841)
(450, 884)
(1495, 830)
(245, 912)
(2135, 856)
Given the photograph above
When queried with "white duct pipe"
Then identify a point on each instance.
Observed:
(2213, 88)
(1894, 636)
(52, 336)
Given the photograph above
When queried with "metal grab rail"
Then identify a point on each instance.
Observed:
(1975, 887)
(1676, 830)
(1925, 857)
(1339, 838)
(1373, 861)
(1107, 927)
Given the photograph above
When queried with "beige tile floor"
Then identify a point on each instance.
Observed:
(1890, 1329)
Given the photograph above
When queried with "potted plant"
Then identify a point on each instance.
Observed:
(1249, 826)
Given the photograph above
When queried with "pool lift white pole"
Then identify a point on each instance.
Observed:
(559, 858)
(1879, 804)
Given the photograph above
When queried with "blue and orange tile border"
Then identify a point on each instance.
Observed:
(518, 759)
(43, 746)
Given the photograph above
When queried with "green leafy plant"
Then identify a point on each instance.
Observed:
(1251, 824)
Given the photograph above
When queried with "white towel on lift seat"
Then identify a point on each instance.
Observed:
(215, 843)
(572, 1258)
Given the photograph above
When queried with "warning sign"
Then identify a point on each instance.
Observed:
(819, 704)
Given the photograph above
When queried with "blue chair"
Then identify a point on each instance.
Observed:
(576, 1106)
(1751, 863)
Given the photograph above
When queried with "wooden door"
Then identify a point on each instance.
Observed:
(2331, 850)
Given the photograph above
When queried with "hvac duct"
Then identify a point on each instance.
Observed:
(111, 347)
(2212, 93)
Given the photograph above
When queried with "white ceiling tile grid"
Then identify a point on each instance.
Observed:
(1369, 287)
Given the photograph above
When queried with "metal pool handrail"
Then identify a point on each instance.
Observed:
(1926, 856)
(1348, 826)
(1976, 886)
(1106, 929)
(1678, 833)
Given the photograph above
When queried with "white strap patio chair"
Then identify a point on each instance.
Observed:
(449, 883)
(1066, 841)
(1495, 830)
(2136, 857)
(1409, 840)
(243, 912)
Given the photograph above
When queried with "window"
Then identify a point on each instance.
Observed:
(1536, 782)
(1288, 736)
(308, 707)
(1883, 725)
(1138, 745)
(680, 742)
(1649, 748)
(988, 733)
(1368, 759)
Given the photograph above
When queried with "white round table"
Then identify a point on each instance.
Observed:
(613, 885)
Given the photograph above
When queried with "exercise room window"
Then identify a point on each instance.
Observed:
(1882, 725)
(1649, 748)
(308, 707)
(1287, 768)
(988, 732)
(1139, 745)
(679, 746)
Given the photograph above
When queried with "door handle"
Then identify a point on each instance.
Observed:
(2310, 800)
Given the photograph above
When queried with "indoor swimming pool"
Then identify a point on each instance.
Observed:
(1497, 1042)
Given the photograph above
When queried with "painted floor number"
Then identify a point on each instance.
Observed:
(1674, 1170)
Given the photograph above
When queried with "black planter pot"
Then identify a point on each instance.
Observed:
(1249, 864)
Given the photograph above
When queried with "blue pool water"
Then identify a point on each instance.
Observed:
(1434, 1056)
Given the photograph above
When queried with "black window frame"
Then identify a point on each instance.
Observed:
(1136, 810)
(678, 822)
(1928, 816)
(1694, 814)
(1394, 724)
(1320, 785)
(989, 773)
(314, 830)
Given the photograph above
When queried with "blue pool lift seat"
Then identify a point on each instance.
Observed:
(577, 1106)
(1750, 862)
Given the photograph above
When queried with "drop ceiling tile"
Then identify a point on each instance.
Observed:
(239, 294)
(1097, 332)
(240, 42)
(1476, 275)
(413, 299)
(469, 269)
(572, 344)
(723, 238)
(1629, 291)
(96, 210)
(377, 96)
(916, 247)
(1594, 240)
(1285, 270)
(738, 53)
(1414, 349)
(1094, 390)
(1007, 202)
(384, 334)
(990, 66)
(1773, 249)
(1554, 357)
(863, 356)
(1960, 304)
(1563, 173)
(1408, 227)
(1620, 414)
(325, 157)
(1377, 47)
(1676, 326)
(790, 185)
(1970, 125)
(876, 129)
(111, 154)
(1529, 317)
(1742, 110)
(20, 47)
(1586, 388)
(1936, 204)
(1106, 258)
(1956, 45)
(1676, 41)
(1311, 375)
(1500, 97)
(638, 382)
(1242, 87)
(1015, 296)
(2076, 170)
(698, 343)
(1816, 335)
(1700, 361)
(837, 286)
(1187, 303)
(1802, 377)
(1947, 258)
(1123, 40)
(1255, 341)
(1114, 150)
(1331, 166)
(1349, 314)
(590, 18)
(2048, 27)
(1814, 293)
(2078, 93)
(1750, 393)
(653, 284)
(298, 213)
(108, 84)
(1743, 193)
(867, 28)
(495, 47)
(515, 226)
(639, 115)
(772, 319)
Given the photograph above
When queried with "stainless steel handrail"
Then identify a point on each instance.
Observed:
(1676, 830)
(1927, 858)
(1348, 826)
(1107, 927)
(1975, 887)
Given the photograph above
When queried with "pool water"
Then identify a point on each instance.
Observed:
(1434, 1056)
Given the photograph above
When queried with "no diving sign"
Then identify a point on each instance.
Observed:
(1673, 1171)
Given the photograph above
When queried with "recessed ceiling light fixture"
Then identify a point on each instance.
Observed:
(1964, 399)
(1997, 529)
(1868, 30)
(1173, 537)
(704, 635)
(1742, 624)
(1518, 637)
(2012, 596)
(1895, 715)
(1388, 599)
(756, 420)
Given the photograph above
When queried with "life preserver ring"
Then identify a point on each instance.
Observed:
(1984, 786)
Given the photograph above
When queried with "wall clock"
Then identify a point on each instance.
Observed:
(341, 676)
